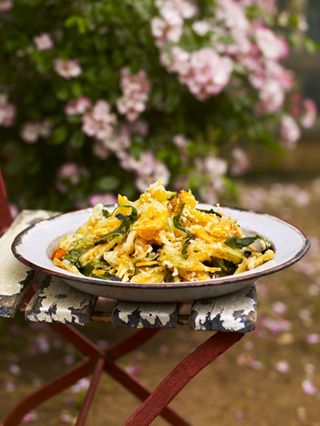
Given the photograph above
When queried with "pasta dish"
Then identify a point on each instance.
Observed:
(161, 237)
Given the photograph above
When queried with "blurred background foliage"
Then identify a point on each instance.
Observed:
(103, 97)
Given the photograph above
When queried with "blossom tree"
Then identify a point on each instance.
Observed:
(106, 96)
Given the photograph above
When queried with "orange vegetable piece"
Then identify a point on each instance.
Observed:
(58, 253)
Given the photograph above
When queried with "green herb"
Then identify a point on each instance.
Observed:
(184, 251)
(126, 222)
(72, 256)
(226, 267)
(210, 211)
(239, 243)
(87, 269)
(106, 213)
(106, 276)
(176, 222)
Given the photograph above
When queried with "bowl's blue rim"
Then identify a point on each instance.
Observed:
(231, 279)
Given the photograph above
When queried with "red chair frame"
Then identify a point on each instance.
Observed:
(96, 362)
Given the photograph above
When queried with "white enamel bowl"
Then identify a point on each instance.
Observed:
(34, 246)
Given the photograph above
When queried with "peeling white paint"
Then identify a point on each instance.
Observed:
(225, 307)
(13, 271)
(49, 297)
(147, 312)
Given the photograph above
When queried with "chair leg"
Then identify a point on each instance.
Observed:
(137, 389)
(87, 348)
(91, 392)
(5, 213)
(177, 379)
(47, 391)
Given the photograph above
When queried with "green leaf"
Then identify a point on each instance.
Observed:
(59, 135)
(176, 222)
(87, 269)
(239, 243)
(77, 140)
(108, 183)
(78, 22)
(72, 256)
(124, 226)
(211, 211)
(184, 250)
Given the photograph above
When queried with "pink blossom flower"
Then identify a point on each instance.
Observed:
(164, 31)
(116, 143)
(233, 18)
(275, 326)
(14, 210)
(309, 114)
(66, 418)
(274, 71)
(77, 106)
(81, 385)
(43, 41)
(67, 68)
(32, 416)
(271, 46)
(214, 169)
(204, 72)
(133, 369)
(308, 387)
(271, 97)
(14, 369)
(313, 338)
(168, 27)
(99, 122)
(239, 415)
(159, 173)
(186, 9)
(176, 61)
(279, 308)
(69, 172)
(9, 386)
(32, 131)
(180, 141)
(42, 343)
(282, 366)
(103, 198)
(201, 27)
(290, 132)
(7, 111)
(135, 88)
(147, 168)
(6, 5)
(233, 15)
(240, 163)
(213, 165)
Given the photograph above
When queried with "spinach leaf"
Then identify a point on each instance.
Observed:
(87, 269)
(185, 247)
(176, 222)
(106, 213)
(126, 222)
(106, 276)
(210, 211)
(239, 243)
(72, 256)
